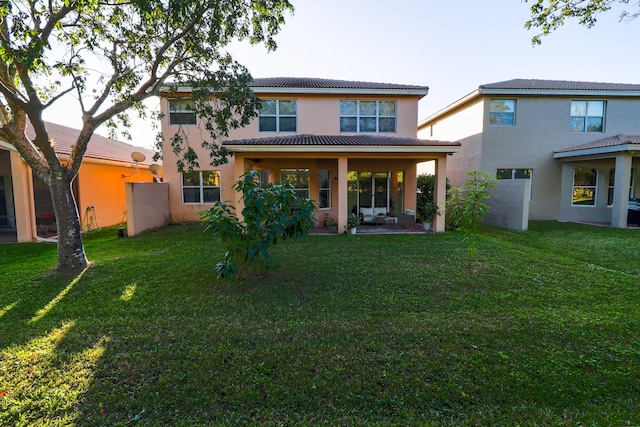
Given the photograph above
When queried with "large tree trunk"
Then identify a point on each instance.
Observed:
(71, 256)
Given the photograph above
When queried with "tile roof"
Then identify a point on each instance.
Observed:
(533, 84)
(342, 140)
(99, 146)
(612, 141)
(316, 83)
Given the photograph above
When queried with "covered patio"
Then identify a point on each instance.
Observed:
(344, 173)
(609, 165)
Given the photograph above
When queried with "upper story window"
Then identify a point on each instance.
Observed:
(587, 116)
(181, 112)
(201, 187)
(368, 116)
(502, 112)
(277, 115)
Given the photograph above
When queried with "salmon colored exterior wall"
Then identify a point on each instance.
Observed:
(103, 187)
(317, 114)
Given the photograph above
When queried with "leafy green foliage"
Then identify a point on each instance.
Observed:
(353, 221)
(466, 207)
(271, 213)
(112, 56)
(549, 15)
(426, 208)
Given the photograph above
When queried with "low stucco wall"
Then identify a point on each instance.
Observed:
(509, 204)
(147, 206)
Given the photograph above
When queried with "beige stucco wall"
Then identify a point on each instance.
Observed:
(509, 204)
(541, 127)
(464, 126)
(147, 206)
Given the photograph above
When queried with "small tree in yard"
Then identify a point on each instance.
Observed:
(466, 207)
(112, 56)
(271, 213)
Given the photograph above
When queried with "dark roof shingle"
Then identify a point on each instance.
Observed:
(99, 147)
(533, 84)
(342, 140)
(612, 141)
(316, 83)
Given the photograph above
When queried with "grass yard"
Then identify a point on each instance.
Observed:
(379, 330)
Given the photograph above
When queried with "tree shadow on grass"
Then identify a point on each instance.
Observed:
(160, 342)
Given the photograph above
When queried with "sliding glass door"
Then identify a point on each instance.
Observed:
(375, 190)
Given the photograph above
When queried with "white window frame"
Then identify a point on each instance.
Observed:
(182, 108)
(574, 187)
(277, 116)
(201, 187)
(586, 117)
(327, 189)
(495, 112)
(377, 116)
(299, 189)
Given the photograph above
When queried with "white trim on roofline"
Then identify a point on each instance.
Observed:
(341, 149)
(598, 151)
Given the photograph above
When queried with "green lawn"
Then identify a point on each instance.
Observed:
(381, 330)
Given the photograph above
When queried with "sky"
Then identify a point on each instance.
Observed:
(450, 46)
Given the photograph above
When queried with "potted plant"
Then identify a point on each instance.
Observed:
(330, 223)
(353, 222)
(426, 208)
(426, 212)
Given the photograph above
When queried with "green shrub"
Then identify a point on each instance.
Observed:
(271, 213)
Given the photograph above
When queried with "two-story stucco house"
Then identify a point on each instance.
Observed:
(560, 150)
(347, 145)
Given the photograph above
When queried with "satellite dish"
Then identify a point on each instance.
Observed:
(155, 168)
(138, 157)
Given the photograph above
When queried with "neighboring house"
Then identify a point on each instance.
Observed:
(345, 144)
(561, 150)
(26, 211)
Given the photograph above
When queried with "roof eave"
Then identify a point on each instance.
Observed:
(341, 91)
(244, 148)
(559, 92)
(625, 148)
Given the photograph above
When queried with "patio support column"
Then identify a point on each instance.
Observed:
(239, 168)
(440, 193)
(410, 187)
(343, 193)
(566, 192)
(24, 209)
(621, 191)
